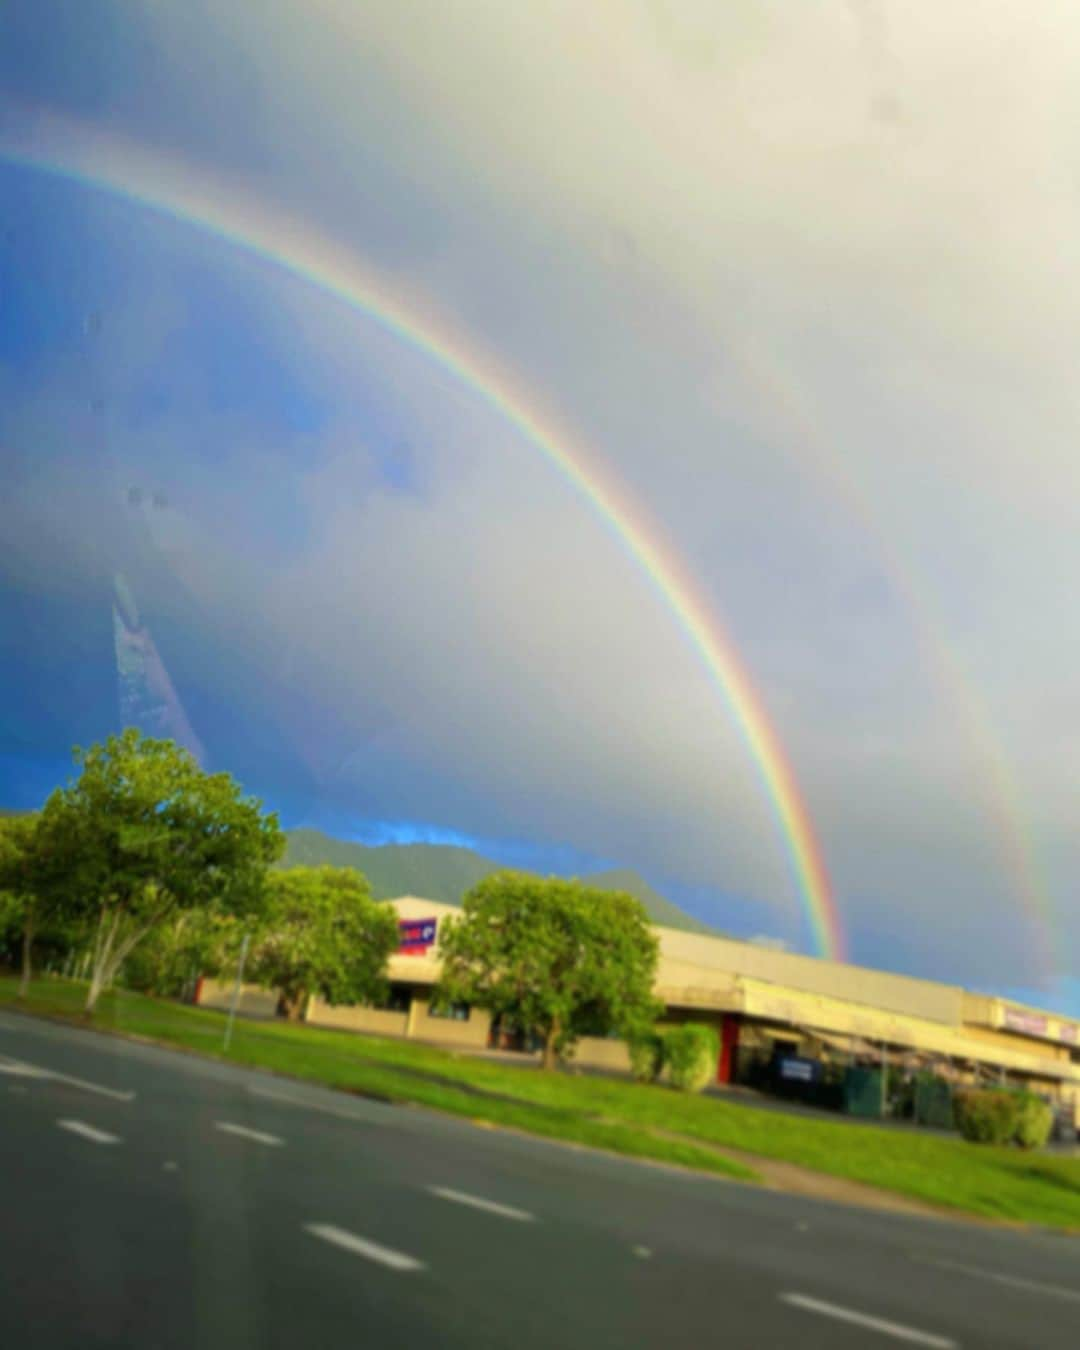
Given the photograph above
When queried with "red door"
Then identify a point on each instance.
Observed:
(729, 1043)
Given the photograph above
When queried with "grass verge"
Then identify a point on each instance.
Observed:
(342, 1061)
(994, 1183)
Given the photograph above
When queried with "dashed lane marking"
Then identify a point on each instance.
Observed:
(19, 1068)
(478, 1202)
(85, 1131)
(243, 1132)
(897, 1330)
(361, 1246)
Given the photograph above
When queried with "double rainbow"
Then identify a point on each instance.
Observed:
(106, 162)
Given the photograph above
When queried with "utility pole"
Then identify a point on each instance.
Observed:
(236, 990)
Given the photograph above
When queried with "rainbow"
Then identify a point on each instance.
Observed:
(129, 171)
(998, 788)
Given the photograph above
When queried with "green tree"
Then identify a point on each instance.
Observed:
(34, 884)
(559, 958)
(145, 834)
(17, 898)
(191, 943)
(323, 934)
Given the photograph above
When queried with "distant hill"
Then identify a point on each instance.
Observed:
(660, 909)
(433, 871)
(445, 872)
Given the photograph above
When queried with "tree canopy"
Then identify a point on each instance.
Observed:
(35, 885)
(323, 934)
(557, 957)
(19, 885)
(144, 833)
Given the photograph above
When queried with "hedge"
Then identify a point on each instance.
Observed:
(646, 1056)
(691, 1052)
(987, 1116)
(1035, 1120)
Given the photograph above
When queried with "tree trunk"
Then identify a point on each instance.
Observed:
(293, 1005)
(101, 970)
(551, 1055)
(109, 956)
(97, 984)
(27, 955)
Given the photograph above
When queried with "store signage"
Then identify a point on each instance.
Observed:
(1068, 1032)
(1031, 1024)
(415, 936)
(798, 1070)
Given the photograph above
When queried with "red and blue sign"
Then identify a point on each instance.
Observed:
(415, 936)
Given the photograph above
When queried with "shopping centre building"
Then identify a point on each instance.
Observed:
(801, 1015)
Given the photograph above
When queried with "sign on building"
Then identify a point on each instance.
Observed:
(1031, 1024)
(798, 1070)
(415, 936)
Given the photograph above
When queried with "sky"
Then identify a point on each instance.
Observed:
(796, 284)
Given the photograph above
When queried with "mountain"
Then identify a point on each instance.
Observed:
(433, 871)
(658, 907)
(445, 872)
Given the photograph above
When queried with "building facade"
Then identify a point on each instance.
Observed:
(770, 1008)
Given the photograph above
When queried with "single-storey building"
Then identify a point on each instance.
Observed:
(769, 1007)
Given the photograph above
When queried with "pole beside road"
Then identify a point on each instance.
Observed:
(236, 990)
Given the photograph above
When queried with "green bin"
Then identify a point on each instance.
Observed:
(862, 1092)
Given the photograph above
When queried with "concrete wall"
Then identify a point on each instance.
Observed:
(980, 1009)
(690, 961)
(597, 1052)
(254, 1001)
(377, 1021)
(1007, 1040)
(471, 1034)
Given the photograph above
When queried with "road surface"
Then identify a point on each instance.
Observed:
(151, 1199)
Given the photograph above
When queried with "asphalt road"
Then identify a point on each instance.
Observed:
(150, 1199)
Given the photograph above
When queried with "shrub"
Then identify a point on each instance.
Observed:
(1034, 1121)
(646, 1056)
(691, 1052)
(986, 1116)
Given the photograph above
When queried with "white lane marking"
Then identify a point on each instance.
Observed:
(478, 1202)
(1014, 1281)
(80, 1127)
(259, 1136)
(170, 1166)
(21, 1069)
(373, 1251)
(896, 1330)
(643, 1252)
(15, 1069)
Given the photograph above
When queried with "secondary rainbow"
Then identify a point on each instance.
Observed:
(996, 784)
(125, 169)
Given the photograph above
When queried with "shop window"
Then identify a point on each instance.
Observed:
(398, 998)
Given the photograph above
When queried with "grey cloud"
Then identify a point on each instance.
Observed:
(801, 281)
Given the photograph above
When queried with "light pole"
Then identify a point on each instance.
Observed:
(236, 990)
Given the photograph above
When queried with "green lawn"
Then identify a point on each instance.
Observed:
(606, 1113)
(358, 1064)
